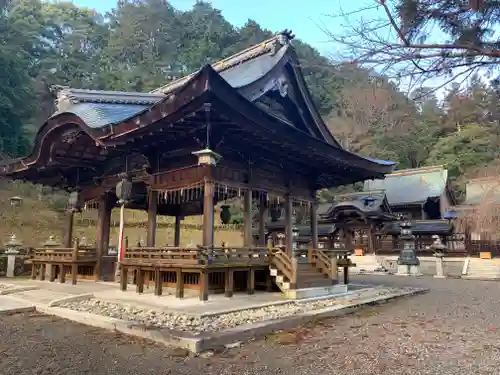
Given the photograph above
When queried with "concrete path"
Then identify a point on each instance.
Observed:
(10, 305)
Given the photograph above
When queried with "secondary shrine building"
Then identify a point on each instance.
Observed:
(244, 127)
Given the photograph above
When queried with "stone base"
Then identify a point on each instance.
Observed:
(403, 270)
(315, 292)
(415, 271)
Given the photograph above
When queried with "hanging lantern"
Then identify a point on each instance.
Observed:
(75, 201)
(225, 214)
(207, 157)
(124, 189)
(275, 213)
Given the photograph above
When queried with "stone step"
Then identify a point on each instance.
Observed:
(314, 283)
(315, 291)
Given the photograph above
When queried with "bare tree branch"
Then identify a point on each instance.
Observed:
(428, 38)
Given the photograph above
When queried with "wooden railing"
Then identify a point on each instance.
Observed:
(200, 256)
(231, 256)
(284, 264)
(329, 261)
(64, 254)
(79, 262)
(161, 256)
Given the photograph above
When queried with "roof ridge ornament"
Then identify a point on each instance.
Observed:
(63, 97)
(270, 46)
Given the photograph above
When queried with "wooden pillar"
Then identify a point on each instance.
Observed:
(123, 278)
(251, 281)
(69, 230)
(103, 224)
(179, 286)
(371, 239)
(62, 274)
(204, 285)
(43, 271)
(33, 271)
(158, 282)
(288, 225)
(314, 224)
(152, 211)
(74, 264)
(208, 214)
(348, 238)
(262, 223)
(247, 218)
(229, 282)
(177, 231)
(139, 282)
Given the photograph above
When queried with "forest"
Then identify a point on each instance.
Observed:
(141, 44)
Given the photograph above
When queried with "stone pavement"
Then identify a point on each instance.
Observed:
(453, 329)
(9, 305)
(47, 292)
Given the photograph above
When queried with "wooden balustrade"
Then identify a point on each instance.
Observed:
(284, 264)
(77, 262)
(204, 268)
(329, 260)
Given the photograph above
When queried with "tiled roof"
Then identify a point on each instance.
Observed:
(411, 185)
(99, 108)
(97, 115)
(371, 204)
(227, 67)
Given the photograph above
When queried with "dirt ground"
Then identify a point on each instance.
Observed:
(453, 329)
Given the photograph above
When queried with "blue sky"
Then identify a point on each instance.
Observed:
(305, 18)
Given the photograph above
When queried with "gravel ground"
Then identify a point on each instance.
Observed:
(195, 325)
(454, 329)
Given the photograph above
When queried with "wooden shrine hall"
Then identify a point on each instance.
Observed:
(244, 127)
(352, 222)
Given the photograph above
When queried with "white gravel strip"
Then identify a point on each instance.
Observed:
(193, 324)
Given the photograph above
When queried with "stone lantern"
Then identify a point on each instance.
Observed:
(51, 242)
(408, 263)
(13, 245)
(15, 201)
(12, 250)
(439, 248)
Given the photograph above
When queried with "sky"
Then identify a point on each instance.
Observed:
(310, 20)
(307, 19)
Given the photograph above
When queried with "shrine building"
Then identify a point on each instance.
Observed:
(245, 126)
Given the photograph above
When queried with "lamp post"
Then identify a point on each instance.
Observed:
(408, 263)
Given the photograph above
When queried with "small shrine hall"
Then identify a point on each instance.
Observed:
(243, 127)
